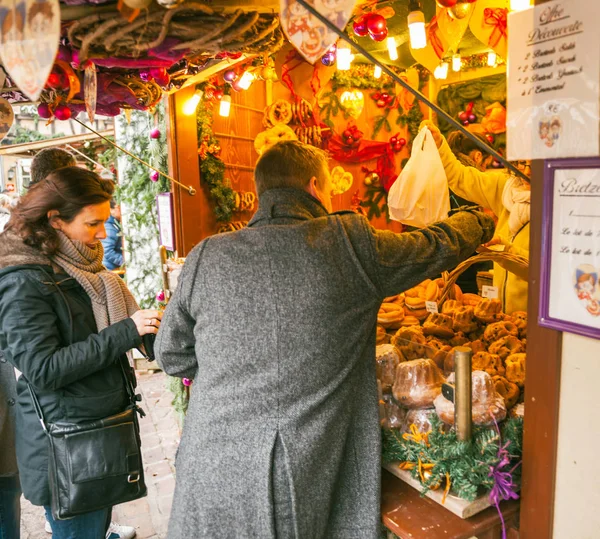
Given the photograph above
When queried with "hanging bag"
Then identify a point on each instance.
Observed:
(419, 197)
(96, 464)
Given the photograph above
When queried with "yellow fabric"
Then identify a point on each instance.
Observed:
(485, 189)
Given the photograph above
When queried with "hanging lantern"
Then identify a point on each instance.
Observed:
(344, 56)
(416, 26)
(377, 72)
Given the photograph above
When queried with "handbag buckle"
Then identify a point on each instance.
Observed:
(133, 478)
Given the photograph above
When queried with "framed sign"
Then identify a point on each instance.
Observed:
(570, 288)
(164, 205)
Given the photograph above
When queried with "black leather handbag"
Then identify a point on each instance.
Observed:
(95, 464)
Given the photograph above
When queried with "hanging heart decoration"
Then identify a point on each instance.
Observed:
(311, 38)
(30, 39)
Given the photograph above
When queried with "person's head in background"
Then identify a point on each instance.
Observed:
(48, 161)
(461, 145)
(5, 202)
(115, 209)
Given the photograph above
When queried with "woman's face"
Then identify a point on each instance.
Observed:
(88, 225)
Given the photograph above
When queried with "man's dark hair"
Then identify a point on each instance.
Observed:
(290, 164)
(48, 161)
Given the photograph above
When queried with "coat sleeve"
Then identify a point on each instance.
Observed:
(483, 188)
(175, 345)
(113, 252)
(31, 340)
(397, 262)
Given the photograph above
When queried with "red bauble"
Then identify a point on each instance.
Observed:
(379, 37)
(154, 176)
(360, 27)
(381, 103)
(463, 116)
(446, 3)
(54, 81)
(62, 112)
(466, 122)
(375, 24)
(490, 138)
(402, 141)
(155, 133)
(44, 111)
(376, 96)
(470, 107)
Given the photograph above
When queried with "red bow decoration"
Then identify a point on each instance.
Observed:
(496, 17)
(434, 38)
(285, 72)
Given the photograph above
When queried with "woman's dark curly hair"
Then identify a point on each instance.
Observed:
(67, 190)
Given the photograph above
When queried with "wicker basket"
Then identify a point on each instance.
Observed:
(513, 263)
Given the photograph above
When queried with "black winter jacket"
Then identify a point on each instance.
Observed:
(74, 382)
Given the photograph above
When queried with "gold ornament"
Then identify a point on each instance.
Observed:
(268, 73)
(460, 10)
(353, 102)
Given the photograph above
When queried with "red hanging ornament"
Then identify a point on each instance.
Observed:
(360, 27)
(380, 36)
(63, 112)
(154, 176)
(155, 133)
(446, 3)
(44, 111)
(376, 23)
(54, 81)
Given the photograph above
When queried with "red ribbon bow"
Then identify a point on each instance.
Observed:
(496, 17)
(434, 38)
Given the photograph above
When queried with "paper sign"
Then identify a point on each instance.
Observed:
(30, 33)
(431, 307)
(490, 292)
(554, 81)
(164, 206)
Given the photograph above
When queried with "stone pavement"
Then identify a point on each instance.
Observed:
(160, 438)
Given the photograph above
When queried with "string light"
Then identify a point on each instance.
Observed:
(190, 106)
(456, 62)
(246, 80)
(492, 59)
(225, 106)
(344, 56)
(392, 48)
(416, 26)
(441, 71)
(377, 72)
(519, 5)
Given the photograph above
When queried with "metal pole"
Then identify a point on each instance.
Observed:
(408, 88)
(462, 393)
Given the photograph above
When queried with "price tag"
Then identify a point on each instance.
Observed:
(490, 292)
(431, 307)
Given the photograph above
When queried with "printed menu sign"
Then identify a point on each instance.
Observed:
(554, 81)
(574, 291)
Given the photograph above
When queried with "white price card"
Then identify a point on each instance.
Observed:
(490, 292)
(554, 81)
(431, 306)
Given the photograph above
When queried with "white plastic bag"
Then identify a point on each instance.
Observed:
(419, 197)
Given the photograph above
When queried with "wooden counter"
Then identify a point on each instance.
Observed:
(410, 516)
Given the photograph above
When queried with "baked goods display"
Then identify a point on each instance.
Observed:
(487, 404)
(426, 342)
(418, 383)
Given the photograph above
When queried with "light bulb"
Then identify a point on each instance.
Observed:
(416, 29)
(492, 58)
(456, 62)
(441, 71)
(190, 106)
(245, 80)
(377, 72)
(392, 48)
(225, 106)
(344, 57)
(519, 5)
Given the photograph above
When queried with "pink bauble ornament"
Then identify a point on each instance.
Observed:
(472, 118)
(155, 133)
(466, 122)
(145, 75)
(75, 58)
(186, 382)
(63, 112)
(160, 296)
(328, 59)
(154, 176)
(376, 23)
(229, 76)
(360, 27)
(44, 111)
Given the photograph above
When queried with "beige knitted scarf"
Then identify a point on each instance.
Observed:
(111, 299)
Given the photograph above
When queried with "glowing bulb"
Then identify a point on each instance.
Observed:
(191, 104)
(392, 48)
(519, 5)
(245, 80)
(441, 71)
(456, 62)
(377, 72)
(416, 29)
(492, 58)
(344, 57)
(225, 106)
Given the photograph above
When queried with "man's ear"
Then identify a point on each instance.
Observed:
(312, 187)
(54, 219)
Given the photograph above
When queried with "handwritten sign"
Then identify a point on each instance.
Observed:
(554, 81)
(164, 205)
(572, 244)
(490, 292)
(431, 307)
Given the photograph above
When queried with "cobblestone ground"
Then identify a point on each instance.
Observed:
(160, 437)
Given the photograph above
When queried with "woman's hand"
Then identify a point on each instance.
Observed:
(435, 131)
(147, 321)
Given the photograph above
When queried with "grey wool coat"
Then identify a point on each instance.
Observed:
(276, 324)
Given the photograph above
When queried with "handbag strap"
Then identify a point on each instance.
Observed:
(133, 397)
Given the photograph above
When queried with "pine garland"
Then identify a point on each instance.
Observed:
(468, 464)
(212, 168)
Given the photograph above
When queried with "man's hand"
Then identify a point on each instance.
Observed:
(435, 131)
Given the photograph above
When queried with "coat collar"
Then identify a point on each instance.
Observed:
(287, 203)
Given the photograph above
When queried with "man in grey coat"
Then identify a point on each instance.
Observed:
(276, 324)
